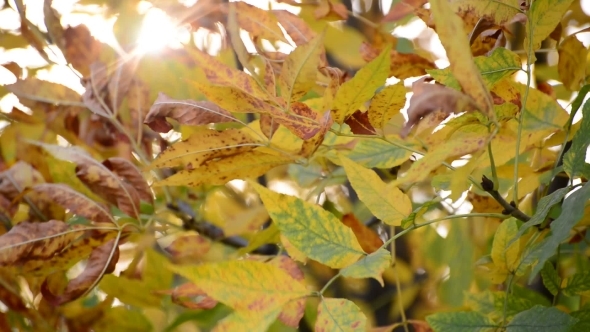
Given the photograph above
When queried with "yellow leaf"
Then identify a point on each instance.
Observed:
(370, 266)
(295, 253)
(572, 63)
(205, 145)
(454, 39)
(501, 11)
(219, 172)
(468, 139)
(506, 257)
(247, 320)
(258, 22)
(346, 53)
(460, 177)
(543, 17)
(311, 229)
(354, 92)
(130, 291)
(339, 315)
(387, 203)
(387, 103)
(299, 72)
(244, 284)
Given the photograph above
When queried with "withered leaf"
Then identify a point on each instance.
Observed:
(126, 170)
(402, 65)
(184, 294)
(81, 48)
(74, 201)
(18, 177)
(295, 27)
(102, 261)
(32, 90)
(428, 98)
(258, 22)
(402, 9)
(359, 123)
(186, 112)
(268, 125)
(368, 238)
(328, 10)
(311, 145)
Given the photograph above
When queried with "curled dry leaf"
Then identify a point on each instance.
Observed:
(126, 170)
(186, 112)
(102, 261)
(428, 98)
(402, 65)
(190, 296)
(74, 201)
(41, 248)
(368, 238)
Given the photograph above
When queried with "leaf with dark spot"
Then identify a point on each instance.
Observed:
(359, 123)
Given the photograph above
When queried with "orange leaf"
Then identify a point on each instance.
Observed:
(368, 238)
(359, 123)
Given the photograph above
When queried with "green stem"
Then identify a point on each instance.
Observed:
(505, 307)
(398, 287)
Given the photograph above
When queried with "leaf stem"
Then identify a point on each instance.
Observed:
(505, 307)
(398, 287)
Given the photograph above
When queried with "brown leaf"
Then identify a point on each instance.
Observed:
(95, 95)
(359, 123)
(328, 10)
(126, 170)
(81, 48)
(295, 27)
(189, 247)
(187, 112)
(75, 202)
(18, 177)
(403, 65)
(185, 294)
(402, 9)
(138, 103)
(32, 91)
(14, 68)
(53, 24)
(120, 81)
(270, 78)
(102, 260)
(268, 126)
(258, 22)
(368, 238)
(311, 145)
(301, 120)
(428, 98)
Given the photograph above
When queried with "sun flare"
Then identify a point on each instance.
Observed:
(159, 30)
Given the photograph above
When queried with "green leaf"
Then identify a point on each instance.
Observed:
(299, 71)
(506, 255)
(583, 325)
(543, 208)
(578, 283)
(551, 279)
(339, 315)
(543, 17)
(312, 230)
(123, 319)
(460, 322)
(377, 153)
(386, 202)
(574, 160)
(129, 291)
(155, 274)
(573, 211)
(540, 319)
(492, 303)
(371, 266)
(493, 68)
(354, 92)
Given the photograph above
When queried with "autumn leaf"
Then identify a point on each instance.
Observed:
(74, 201)
(572, 62)
(498, 11)
(311, 230)
(402, 65)
(131, 174)
(330, 11)
(543, 17)
(339, 314)
(102, 261)
(387, 203)
(258, 22)
(182, 294)
(386, 103)
(248, 320)
(353, 93)
(367, 238)
(370, 266)
(33, 90)
(186, 112)
(299, 71)
(219, 172)
(81, 48)
(188, 247)
(401, 9)
(359, 124)
(244, 285)
(454, 39)
(295, 27)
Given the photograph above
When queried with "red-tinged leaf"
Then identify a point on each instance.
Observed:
(186, 294)
(402, 65)
(130, 173)
(328, 10)
(299, 71)
(295, 27)
(339, 315)
(293, 311)
(219, 172)
(359, 123)
(75, 202)
(102, 261)
(258, 22)
(41, 248)
(269, 78)
(81, 48)
(402, 9)
(268, 125)
(220, 74)
(368, 238)
(206, 145)
(428, 98)
(301, 120)
(310, 146)
(190, 247)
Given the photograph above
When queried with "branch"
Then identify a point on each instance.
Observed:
(509, 208)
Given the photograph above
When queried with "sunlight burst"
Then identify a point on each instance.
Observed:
(158, 31)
